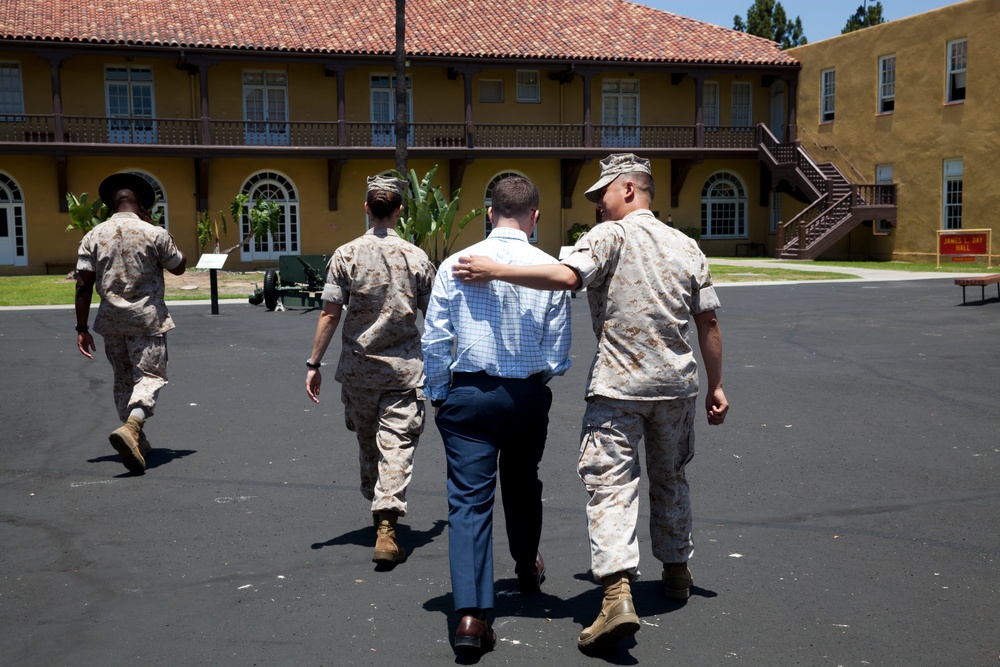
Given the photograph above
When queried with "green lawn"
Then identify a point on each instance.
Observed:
(57, 290)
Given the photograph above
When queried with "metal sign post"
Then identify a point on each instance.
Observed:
(213, 262)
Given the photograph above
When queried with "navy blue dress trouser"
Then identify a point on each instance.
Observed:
(490, 424)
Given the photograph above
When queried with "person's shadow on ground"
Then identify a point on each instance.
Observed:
(411, 540)
(157, 457)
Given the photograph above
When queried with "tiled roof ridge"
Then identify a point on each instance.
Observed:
(599, 30)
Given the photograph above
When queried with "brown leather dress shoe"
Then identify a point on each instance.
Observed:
(474, 635)
(529, 579)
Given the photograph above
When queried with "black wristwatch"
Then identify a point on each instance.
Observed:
(310, 365)
(83, 329)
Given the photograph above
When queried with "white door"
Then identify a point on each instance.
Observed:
(621, 113)
(383, 105)
(129, 96)
(6, 236)
(265, 108)
(778, 110)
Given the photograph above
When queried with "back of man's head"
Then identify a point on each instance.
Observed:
(514, 197)
(643, 182)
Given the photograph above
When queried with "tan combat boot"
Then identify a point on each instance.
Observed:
(144, 446)
(677, 581)
(386, 548)
(617, 618)
(125, 440)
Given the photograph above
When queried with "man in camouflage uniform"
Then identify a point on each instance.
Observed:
(382, 280)
(125, 257)
(645, 283)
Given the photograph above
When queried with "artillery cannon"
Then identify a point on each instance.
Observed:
(298, 281)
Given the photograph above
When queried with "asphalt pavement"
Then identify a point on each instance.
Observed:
(847, 513)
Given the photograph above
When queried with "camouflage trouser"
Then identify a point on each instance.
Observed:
(609, 467)
(388, 425)
(140, 369)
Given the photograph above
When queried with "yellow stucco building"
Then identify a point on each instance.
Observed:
(914, 102)
(298, 109)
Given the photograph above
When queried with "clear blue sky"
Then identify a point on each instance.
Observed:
(821, 19)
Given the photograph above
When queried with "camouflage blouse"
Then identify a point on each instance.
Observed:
(644, 280)
(128, 256)
(382, 281)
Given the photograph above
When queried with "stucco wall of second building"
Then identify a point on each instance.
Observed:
(923, 129)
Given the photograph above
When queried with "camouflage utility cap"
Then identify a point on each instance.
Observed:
(386, 183)
(614, 166)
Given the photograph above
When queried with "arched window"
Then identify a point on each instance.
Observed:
(723, 207)
(13, 250)
(488, 201)
(271, 186)
(161, 197)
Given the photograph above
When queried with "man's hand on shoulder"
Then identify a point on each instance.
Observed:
(476, 269)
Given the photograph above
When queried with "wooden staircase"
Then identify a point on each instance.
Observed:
(836, 204)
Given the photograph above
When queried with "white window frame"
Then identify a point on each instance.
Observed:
(742, 104)
(887, 84)
(951, 194)
(710, 104)
(498, 87)
(827, 95)
(529, 86)
(11, 91)
(286, 242)
(775, 211)
(957, 63)
(133, 125)
(883, 176)
(711, 205)
(382, 98)
(268, 125)
(488, 201)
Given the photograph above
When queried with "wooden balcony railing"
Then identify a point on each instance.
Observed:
(32, 129)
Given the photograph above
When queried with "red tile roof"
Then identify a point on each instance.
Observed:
(598, 30)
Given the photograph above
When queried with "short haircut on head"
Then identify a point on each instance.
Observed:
(643, 181)
(383, 203)
(514, 197)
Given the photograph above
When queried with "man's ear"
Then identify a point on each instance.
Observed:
(629, 190)
(489, 214)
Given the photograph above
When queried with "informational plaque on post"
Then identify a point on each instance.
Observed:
(212, 261)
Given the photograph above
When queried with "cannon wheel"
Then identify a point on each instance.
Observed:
(270, 289)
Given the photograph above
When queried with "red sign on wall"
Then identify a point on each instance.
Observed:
(965, 243)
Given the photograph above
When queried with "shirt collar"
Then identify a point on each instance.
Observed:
(508, 233)
(382, 231)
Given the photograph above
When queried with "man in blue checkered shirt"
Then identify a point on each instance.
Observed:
(489, 351)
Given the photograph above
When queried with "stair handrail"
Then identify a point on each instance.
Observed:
(783, 226)
(834, 148)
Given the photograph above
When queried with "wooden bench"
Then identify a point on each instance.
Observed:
(757, 249)
(65, 265)
(982, 282)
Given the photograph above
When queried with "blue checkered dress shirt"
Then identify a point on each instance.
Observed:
(505, 330)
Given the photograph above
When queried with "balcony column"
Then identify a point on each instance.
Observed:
(55, 64)
(206, 129)
(588, 125)
(341, 111)
(699, 121)
(792, 85)
(470, 126)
